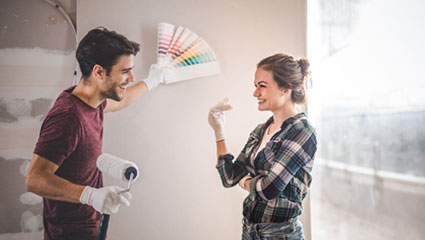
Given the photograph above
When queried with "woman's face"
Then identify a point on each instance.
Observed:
(270, 96)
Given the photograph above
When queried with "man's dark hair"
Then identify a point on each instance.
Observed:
(103, 47)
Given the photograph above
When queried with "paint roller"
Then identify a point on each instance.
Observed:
(120, 169)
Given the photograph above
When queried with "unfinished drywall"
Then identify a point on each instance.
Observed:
(179, 194)
(36, 24)
(37, 48)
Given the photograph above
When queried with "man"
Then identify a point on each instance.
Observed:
(63, 167)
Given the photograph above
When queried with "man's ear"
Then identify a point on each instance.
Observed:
(98, 71)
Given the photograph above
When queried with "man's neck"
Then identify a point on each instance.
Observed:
(88, 93)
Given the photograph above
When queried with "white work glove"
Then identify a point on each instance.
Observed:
(105, 200)
(216, 117)
(242, 181)
(155, 76)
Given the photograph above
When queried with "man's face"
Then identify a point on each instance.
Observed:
(119, 78)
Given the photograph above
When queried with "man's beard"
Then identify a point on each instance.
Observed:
(111, 91)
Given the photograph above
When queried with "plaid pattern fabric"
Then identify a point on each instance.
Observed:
(281, 171)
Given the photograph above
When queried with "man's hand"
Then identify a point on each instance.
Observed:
(155, 77)
(105, 200)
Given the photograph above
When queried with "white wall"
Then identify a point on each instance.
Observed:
(179, 195)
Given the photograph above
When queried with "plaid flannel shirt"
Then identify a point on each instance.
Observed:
(281, 171)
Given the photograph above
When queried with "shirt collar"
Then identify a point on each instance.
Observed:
(259, 131)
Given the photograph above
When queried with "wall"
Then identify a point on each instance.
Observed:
(179, 194)
(36, 63)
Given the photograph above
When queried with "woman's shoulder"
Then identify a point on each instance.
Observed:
(262, 126)
(256, 133)
(300, 123)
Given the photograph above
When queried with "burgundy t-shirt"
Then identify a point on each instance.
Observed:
(71, 137)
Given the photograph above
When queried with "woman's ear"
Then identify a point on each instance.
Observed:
(286, 91)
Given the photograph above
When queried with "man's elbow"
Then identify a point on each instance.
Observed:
(30, 182)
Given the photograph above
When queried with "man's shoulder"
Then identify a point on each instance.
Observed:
(63, 114)
(64, 108)
(64, 104)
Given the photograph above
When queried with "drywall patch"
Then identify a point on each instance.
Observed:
(5, 116)
(12, 184)
(12, 110)
(31, 222)
(12, 159)
(24, 167)
(29, 198)
(36, 56)
(16, 154)
(40, 106)
(18, 107)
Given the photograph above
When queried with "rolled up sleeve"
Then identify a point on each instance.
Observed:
(231, 172)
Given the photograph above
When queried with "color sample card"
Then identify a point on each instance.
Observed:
(182, 50)
(165, 35)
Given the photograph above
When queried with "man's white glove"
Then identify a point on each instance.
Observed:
(105, 200)
(216, 117)
(155, 77)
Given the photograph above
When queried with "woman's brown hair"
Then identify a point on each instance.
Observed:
(289, 73)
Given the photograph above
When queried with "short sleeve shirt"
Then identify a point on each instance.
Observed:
(71, 137)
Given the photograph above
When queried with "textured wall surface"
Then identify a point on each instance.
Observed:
(36, 62)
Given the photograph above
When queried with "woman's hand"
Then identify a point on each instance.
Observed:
(216, 117)
(244, 182)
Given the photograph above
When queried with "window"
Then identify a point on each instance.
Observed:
(368, 106)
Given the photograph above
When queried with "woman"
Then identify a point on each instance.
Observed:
(275, 164)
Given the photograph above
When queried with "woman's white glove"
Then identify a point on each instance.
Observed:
(105, 200)
(216, 117)
(155, 76)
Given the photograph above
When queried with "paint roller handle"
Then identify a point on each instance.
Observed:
(130, 174)
(104, 221)
(130, 181)
(103, 227)
(129, 171)
(105, 200)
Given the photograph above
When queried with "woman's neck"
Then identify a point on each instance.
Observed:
(280, 115)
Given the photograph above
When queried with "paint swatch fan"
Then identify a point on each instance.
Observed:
(185, 53)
